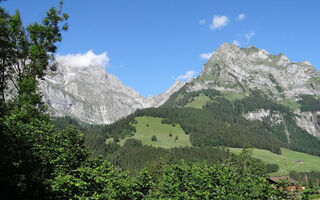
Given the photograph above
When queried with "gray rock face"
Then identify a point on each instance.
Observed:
(239, 70)
(308, 121)
(92, 95)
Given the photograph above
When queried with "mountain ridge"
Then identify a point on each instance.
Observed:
(95, 96)
(92, 95)
(241, 70)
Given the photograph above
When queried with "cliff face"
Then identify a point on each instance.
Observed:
(92, 95)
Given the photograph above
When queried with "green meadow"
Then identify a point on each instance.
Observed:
(148, 126)
(198, 101)
(287, 161)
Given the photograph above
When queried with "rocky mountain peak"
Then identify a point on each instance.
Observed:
(92, 95)
(238, 70)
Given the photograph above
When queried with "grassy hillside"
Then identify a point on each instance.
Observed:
(287, 161)
(198, 101)
(148, 126)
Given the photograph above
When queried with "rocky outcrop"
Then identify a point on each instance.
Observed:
(92, 95)
(239, 69)
(262, 114)
(309, 121)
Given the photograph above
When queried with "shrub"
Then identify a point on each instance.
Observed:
(116, 139)
(154, 138)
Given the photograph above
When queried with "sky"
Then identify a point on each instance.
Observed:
(150, 44)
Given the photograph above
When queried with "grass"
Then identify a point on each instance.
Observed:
(148, 126)
(291, 104)
(201, 100)
(286, 161)
(198, 102)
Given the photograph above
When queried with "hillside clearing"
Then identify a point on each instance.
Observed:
(148, 126)
(198, 101)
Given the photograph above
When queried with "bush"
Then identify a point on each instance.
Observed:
(116, 139)
(154, 138)
(132, 142)
(270, 168)
(170, 134)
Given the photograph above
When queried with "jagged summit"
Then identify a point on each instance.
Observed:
(235, 69)
(92, 95)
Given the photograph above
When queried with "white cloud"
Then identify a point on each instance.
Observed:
(206, 56)
(241, 17)
(202, 21)
(236, 42)
(218, 22)
(187, 76)
(249, 35)
(84, 60)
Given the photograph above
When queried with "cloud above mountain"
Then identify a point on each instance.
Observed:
(206, 56)
(84, 60)
(187, 76)
(218, 22)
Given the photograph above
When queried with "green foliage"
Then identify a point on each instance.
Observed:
(30, 151)
(154, 138)
(160, 130)
(26, 53)
(95, 135)
(311, 178)
(309, 103)
(287, 161)
(131, 156)
(189, 97)
(271, 168)
(219, 123)
(97, 180)
(198, 101)
(311, 193)
(209, 181)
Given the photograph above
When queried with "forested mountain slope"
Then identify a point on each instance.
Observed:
(247, 97)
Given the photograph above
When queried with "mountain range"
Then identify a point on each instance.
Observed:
(92, 95)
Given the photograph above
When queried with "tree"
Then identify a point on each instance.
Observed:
(26, 55)
(209, 181)
(26, 139)
(154, 138)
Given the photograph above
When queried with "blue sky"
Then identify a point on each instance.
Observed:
(152, 43)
